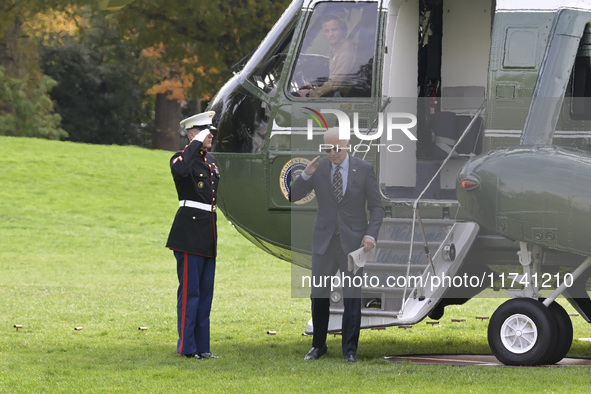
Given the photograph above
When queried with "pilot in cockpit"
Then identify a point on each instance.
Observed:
(342, 60)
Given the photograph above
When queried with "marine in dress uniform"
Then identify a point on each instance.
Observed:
(193, 236)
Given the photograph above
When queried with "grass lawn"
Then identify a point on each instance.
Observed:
(82, 234)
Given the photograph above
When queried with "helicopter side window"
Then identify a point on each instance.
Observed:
(267, 71)
(243, 113)
(267, 74)
(337, 52)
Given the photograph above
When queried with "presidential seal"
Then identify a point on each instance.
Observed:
(290, 171)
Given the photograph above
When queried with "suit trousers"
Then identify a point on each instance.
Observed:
(194, 296)
(323, 266)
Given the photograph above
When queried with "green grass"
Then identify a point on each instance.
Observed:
(82, 234)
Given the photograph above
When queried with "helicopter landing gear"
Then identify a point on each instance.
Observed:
(529, 330)
(565, 333)
(522, 331)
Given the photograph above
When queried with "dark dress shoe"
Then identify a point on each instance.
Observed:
(193, 355)
(350, 358)
(207, 355)
(316, 352)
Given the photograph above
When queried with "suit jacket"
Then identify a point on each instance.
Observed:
(196, 176)
(349, 217)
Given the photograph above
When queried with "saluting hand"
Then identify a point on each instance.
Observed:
(201, 135)
(312, 166)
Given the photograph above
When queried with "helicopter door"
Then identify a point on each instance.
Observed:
(400, 84)
(440, 78)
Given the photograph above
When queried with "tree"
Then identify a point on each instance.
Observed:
(99, 102)
(196, 45)
(25, 108)
(99, 93)
(179, 52)
(26, 113)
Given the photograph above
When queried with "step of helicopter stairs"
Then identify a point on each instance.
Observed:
(391, 294)
(389, 270)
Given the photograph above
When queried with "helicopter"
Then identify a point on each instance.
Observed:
(476, 116)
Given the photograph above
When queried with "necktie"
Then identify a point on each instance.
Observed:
(337, 184)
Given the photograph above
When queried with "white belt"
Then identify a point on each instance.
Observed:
(198, 205)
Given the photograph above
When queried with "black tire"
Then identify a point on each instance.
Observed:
(565, 333)
(529, 332)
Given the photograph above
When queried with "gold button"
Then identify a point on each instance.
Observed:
(193, 217)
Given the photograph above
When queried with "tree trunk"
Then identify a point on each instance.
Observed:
(168, 115)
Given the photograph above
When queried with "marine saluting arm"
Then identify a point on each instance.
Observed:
(182, 161)
(301, 187)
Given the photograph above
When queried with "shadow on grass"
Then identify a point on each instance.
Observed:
(373, 346)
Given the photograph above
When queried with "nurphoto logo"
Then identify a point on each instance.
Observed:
(395, 122)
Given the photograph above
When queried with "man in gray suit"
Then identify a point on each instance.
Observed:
(345, 186)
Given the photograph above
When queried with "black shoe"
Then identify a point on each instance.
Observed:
(350, 358)
(207, 355)
(316, 352)
(193, 355)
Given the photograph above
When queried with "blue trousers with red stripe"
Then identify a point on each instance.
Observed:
(196, 276)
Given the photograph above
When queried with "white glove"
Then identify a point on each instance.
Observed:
(201, 135)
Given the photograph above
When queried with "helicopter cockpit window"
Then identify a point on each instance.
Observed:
(337, 52)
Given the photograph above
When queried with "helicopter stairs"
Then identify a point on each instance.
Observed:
(397, 291)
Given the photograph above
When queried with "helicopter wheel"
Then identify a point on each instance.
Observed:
(521, 332)
(564, 338)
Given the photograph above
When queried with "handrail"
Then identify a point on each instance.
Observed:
(415, 207)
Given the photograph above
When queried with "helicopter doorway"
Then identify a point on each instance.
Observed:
(436, 62)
